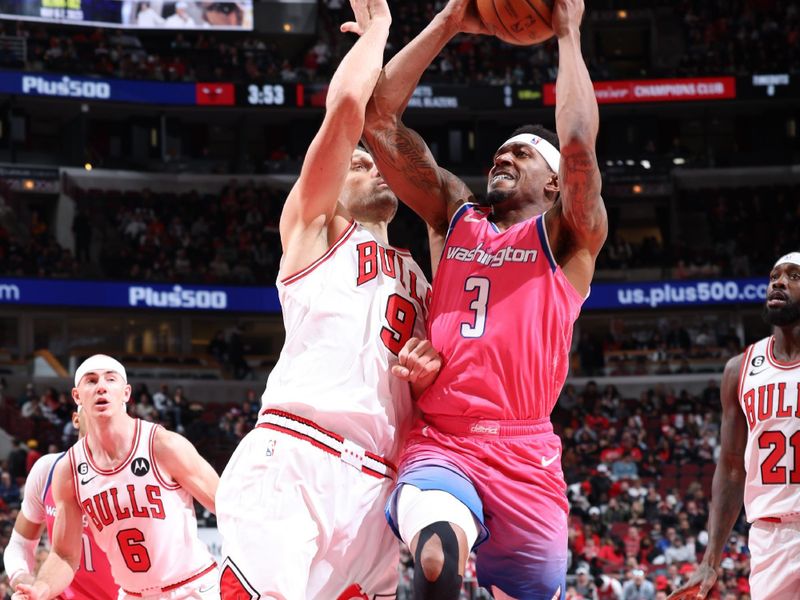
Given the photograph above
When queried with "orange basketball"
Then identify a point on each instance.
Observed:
(521, 22)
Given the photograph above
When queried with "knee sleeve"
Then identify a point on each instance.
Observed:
(447, 586)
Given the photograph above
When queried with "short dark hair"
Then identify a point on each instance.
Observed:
(542, 132)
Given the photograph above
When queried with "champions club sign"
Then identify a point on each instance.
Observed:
(692, 89)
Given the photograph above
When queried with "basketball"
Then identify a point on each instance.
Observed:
(520, 22)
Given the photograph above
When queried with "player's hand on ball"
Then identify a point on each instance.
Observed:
(567, 16)
(464, 14)
(418, 363)
(366, 12)
(698, 586)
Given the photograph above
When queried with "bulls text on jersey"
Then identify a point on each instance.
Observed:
(115, 504)
(373, 257)
(771, 401)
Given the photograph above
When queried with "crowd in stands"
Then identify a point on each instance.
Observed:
(720, 37)
(232, 237)
(638, 472)
(664, 346)
(734, 232)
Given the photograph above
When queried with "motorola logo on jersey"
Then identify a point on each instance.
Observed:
(140, 467)
(83, 469)
(497, 259)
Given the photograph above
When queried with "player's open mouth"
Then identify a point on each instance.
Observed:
(501, 176)
(777, 299)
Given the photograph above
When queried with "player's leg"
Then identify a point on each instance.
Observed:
(268, 530)
(526, 557)
(774, 548)
(360, 562)
(437, 513)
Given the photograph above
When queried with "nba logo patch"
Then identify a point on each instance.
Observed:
(271, 447)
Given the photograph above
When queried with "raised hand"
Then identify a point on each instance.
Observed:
(464, 15)
(567, 16)
(366, 12)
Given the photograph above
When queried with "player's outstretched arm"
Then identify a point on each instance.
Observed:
(178, 458)
(19, 556)
(727, 490)
(312, 203)
(403, 158)
(577, 122)
(59, 568)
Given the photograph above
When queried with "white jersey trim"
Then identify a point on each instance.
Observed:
(743, 372)
(774, 361)
(303, 272)
(88, 451)
(156, 471)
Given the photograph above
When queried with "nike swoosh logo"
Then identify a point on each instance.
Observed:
(754, 373)
(204, 590)
(85, 481)
(471, 219)
(546, 462)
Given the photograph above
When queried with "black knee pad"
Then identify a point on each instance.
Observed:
(448, 585)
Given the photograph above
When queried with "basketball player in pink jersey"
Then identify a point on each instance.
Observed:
(134, 482)
(300, 504)
(759, 461)
(93, 580)
(483, 458)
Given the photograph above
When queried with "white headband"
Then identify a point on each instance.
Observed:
(545, 149)
(100, 363)
(792, 258)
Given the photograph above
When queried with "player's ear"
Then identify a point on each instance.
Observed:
(552, 184)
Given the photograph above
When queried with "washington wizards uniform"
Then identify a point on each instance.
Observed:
(93, 580)
(501, 317)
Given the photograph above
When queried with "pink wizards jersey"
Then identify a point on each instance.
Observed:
(501, 317)
(93, 580)
(144, 522)
(769, 393)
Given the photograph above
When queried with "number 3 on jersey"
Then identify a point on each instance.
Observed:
(478, 306)
(400, 317)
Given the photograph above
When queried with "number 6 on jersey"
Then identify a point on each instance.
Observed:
(478, 305)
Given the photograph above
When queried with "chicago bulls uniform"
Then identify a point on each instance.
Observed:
(501, 317)
(144, 522)
(93, 580)
(769, 393)
(307, 486)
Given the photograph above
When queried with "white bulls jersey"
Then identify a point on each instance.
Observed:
(144, 523)
(347, 315)
(769, 393)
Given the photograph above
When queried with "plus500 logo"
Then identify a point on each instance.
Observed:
(177, 298)
(71, 88)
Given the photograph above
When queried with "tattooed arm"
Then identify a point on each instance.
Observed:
(580, 225)
(403, 158)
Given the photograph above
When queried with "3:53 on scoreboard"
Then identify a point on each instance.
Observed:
(270, 94)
